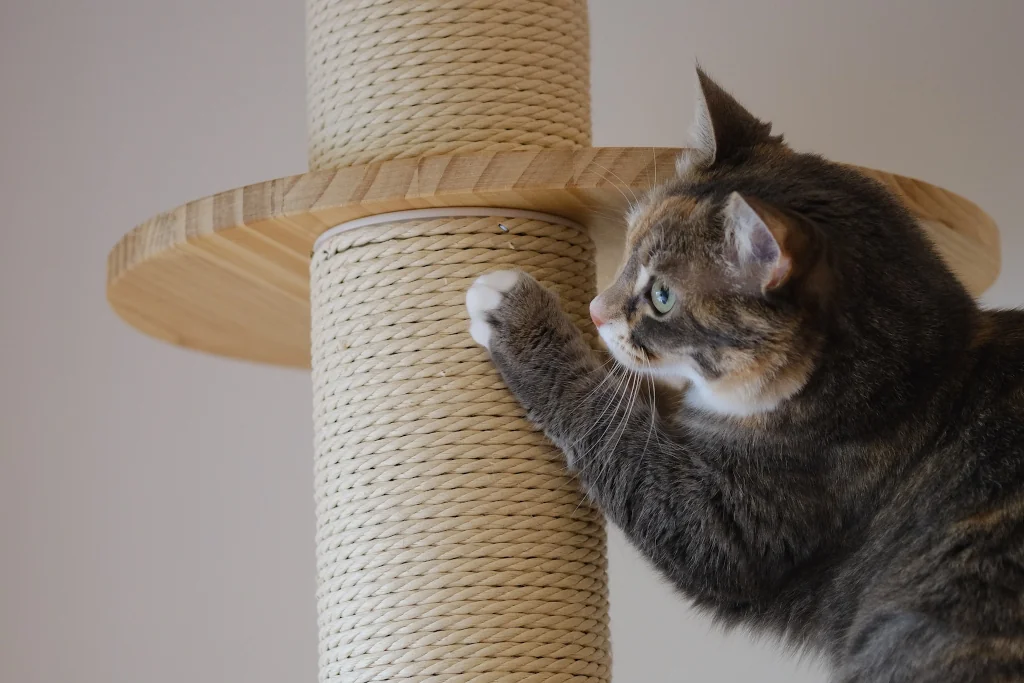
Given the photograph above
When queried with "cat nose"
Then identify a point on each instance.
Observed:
(595, 313)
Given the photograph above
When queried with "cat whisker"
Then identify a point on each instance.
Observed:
(581, 404)
(651, 430)
(620, 390)
(636, 200)
(616, 217)
(625, 198)
(580, 448)
(634, 390)
(590, 451)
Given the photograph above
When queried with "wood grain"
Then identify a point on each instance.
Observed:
(229, 273)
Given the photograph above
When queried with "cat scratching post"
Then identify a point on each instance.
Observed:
(452, 545)
(446, 139)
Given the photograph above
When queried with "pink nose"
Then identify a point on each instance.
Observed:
(595, 313)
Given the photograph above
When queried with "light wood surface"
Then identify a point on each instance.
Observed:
(229, 273)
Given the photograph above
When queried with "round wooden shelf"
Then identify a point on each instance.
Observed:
(229, 273)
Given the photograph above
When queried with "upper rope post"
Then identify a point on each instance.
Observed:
(390, 79)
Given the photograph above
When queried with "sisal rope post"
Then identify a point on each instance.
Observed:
(388, 79)
(452, 545)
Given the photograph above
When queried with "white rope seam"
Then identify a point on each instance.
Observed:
(443, 212)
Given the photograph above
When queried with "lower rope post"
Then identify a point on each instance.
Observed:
(452, 543)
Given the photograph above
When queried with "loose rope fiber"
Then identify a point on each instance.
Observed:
(388, 79)
(452, 544)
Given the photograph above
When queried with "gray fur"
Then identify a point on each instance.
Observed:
(876, 515)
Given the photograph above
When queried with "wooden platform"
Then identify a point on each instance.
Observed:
(229, 273)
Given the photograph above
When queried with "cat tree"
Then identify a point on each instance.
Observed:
(447, 138)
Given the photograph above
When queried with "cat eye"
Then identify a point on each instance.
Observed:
(662, 297)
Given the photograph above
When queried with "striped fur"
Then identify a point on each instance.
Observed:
(846, 466)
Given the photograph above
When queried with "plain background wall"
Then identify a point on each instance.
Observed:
(156, 519)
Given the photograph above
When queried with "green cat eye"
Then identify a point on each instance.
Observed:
(662, 297)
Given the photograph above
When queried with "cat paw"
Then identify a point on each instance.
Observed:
(483, 299)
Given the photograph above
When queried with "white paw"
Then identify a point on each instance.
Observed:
(485, 295)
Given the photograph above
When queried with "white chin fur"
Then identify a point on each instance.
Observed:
(611, 334)
(703, 396)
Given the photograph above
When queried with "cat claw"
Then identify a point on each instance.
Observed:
(484, 297)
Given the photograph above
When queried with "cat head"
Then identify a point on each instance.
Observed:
(723, 285)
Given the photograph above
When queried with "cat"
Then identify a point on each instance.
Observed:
(845, 468)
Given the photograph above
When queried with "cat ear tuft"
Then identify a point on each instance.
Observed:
(722, 130)
(702, 132)
(756, 247)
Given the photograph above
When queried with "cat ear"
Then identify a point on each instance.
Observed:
(722, 129)
(756, 243)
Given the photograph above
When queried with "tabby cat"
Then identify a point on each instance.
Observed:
(845, 466)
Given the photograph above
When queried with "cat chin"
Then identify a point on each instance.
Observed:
(612, 336)
(612, 333)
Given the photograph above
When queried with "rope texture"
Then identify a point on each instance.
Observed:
(388, 79)
(452, 545)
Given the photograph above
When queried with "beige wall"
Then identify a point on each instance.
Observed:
(155, 504)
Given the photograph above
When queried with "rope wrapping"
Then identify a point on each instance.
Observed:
(388, 79)
(452, 544)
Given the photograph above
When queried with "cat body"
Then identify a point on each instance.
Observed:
(845, 468)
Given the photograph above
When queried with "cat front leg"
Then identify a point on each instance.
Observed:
(653, 479)
(594, 415)
(540, 353)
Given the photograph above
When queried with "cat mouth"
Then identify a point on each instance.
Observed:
(645, 354)
(630, 356)
(624, 350)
